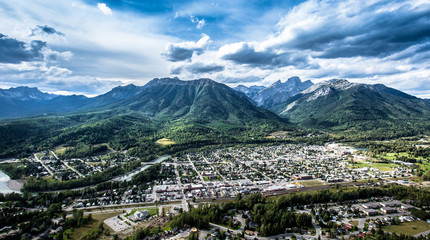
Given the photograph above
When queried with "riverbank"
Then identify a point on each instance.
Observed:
(15, 185)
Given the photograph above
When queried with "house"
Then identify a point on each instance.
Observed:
(407, 207)
(391, 204)
(371, 206)
(388, 210)
(141, 215)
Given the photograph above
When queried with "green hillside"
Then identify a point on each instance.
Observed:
(338, 104)
(191, 113)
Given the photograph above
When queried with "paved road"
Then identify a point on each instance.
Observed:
(362, 221)
(224, 228)
(195, 169)
(46, 167)
(240, 219)
(422, 234)
(123, 205)
(178, 179)
(73, 169)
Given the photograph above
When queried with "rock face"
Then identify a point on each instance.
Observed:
(280, 92)
(249, 91)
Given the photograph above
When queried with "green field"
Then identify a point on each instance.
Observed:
(383, 167)
(311, 183)
(392, 156)
(97, 219)
(60, 150)
(354, 223)
(408, 228)
(165, 142)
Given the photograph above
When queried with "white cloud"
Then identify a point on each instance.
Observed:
(122, 48)
(105, 9)
(185, 50)
(200, 22)
(320, 40)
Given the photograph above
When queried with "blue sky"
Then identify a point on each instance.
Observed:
(88, 47)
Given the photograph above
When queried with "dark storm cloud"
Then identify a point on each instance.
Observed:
(15, 51)
(46, 29)
(247, 55)
(176, 54)
(367, 33)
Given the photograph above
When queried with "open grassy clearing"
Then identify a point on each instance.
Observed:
(97, 219)
(408, 228)
(311, 183)
(354, 223)
(165, 142)
(60, 150)
(394, 156)
(383, 167)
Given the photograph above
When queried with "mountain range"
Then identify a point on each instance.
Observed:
(339, 102)
(326, 104)
(277, 93)
(189, 112)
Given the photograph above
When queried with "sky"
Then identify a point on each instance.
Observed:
(88, 47)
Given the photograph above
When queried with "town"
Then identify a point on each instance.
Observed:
(183, 182)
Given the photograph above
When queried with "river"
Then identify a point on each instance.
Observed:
(4, 179)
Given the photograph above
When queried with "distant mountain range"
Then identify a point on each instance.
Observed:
(339, 102)
(27, 102)
(277, 93)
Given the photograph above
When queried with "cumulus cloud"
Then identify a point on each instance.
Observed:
(332, 29)
(246, 53)
(104, 8)
(16, 51)
(336, 29)
(55, 56)
(52, 79)
(176, 52)
(45, 30)
(365, 41)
